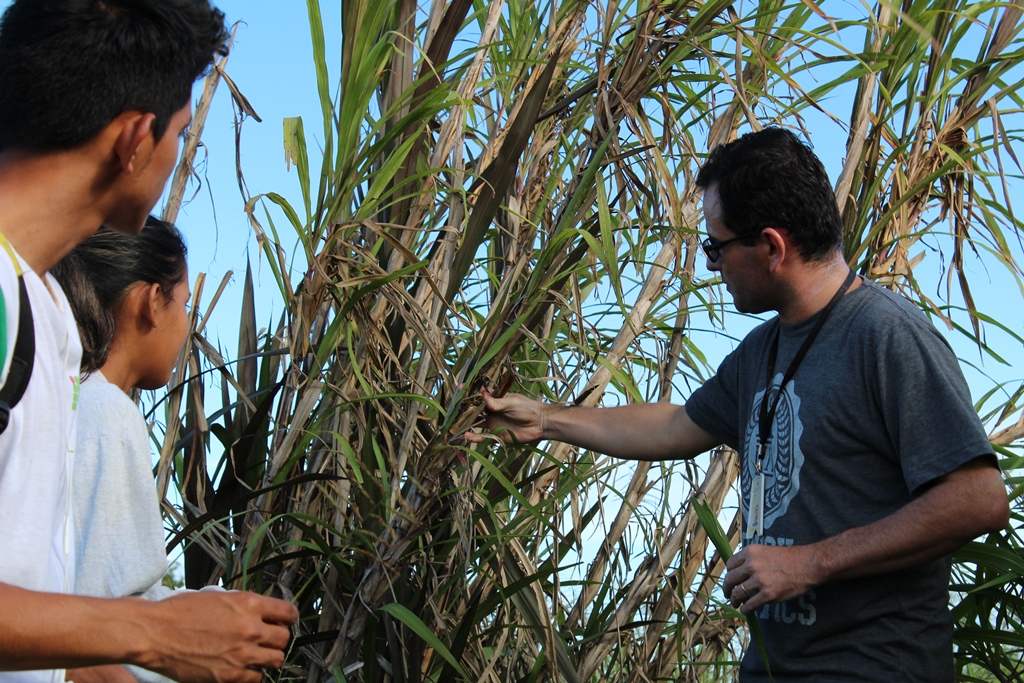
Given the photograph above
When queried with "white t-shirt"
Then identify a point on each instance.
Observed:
(36, 529)
(119, 532)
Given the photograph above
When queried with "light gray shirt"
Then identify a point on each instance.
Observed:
(119, 534)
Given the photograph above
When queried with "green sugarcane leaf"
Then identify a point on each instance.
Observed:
(405, 615)
(720, 540)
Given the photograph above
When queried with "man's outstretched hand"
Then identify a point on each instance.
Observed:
(642, 431)
(513, 419)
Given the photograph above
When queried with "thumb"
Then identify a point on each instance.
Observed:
(492, 404)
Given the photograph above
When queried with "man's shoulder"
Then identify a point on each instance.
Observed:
(888, 323)
(882, 302)
(881, 312)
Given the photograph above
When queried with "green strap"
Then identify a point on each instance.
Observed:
(3, 302)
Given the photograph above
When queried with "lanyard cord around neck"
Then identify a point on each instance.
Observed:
(767, 417)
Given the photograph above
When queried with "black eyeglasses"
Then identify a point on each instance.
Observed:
(713, 248)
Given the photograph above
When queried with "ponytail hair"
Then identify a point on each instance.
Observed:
(98, 274)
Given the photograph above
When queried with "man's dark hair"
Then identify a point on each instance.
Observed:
(70, 67)
(771, 179)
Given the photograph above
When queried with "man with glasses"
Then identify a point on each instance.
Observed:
(713, 249)
(855, 490)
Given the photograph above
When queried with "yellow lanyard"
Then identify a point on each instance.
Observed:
(10, 252)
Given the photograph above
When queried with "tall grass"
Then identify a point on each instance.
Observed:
(504, 198)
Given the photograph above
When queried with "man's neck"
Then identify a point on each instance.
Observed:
(47, 204)
(813, 285)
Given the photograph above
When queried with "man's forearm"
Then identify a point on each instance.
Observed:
(647, 431)
(961, 506)
(195, 637)
(52, 631)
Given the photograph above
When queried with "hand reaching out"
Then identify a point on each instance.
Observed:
(641, 431)
(513, 419)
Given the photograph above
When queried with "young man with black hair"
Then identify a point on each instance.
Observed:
(855, 487)
(94, 95)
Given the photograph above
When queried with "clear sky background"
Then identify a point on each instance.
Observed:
(272, 65)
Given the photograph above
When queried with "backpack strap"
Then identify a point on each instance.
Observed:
(24, 347)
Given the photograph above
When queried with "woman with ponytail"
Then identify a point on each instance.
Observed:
(129, 296)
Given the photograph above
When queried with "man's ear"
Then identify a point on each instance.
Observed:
(135, 127)
(778, 248)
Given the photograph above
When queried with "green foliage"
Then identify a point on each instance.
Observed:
(521, 214)
(172, 579)
(724, 547)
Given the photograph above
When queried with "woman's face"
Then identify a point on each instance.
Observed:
(167, 337)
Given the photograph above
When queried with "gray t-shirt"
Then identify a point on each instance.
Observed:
(878, 408)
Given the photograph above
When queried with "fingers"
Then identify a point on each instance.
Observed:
(273, 633)
(511, 419)
(742, 597)
(271, 657)
(505, 404)
(492, 405)
(752, 604)
(739, 585)
(480, 437)
(736, 561)
(734, 576)
(276, 611)
(738, 592)
(738, 595)
(276, 637)
(230, 636)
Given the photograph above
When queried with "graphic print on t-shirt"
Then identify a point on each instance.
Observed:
(783, 459)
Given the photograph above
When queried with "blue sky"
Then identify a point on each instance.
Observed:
(272, 65)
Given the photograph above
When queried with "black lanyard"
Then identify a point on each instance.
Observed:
(767, 417)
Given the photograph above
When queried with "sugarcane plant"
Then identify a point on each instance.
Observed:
(502, 196)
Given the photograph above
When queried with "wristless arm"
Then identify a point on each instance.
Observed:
(48, 631)
(647, 431)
